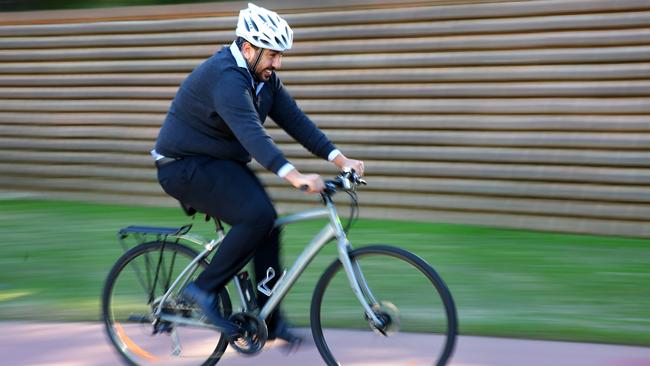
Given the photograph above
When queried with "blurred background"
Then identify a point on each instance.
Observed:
(507, 142)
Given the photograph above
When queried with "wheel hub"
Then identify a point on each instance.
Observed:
(388, 314)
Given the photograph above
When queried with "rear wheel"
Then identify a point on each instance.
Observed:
(418, 322)
(132, 293)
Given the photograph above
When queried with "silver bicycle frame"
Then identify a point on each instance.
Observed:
(332, 230)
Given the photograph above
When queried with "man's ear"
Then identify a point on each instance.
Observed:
(248, 51)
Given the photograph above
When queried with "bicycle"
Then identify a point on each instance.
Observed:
(144, 325)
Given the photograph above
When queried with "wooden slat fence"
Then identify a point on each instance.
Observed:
(525, 114)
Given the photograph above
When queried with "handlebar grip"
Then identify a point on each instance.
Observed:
(304, 188)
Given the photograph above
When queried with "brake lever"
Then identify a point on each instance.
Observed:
(352, 177)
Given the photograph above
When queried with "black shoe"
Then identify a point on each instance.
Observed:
(280, 330)
(207, 302)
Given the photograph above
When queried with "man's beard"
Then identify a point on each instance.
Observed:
(265, 74)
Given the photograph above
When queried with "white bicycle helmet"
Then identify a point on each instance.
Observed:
(264, 28)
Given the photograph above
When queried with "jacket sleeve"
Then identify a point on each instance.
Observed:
(233, 101)
(286, 113)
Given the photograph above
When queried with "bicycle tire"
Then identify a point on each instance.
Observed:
(130, 351)
(367, 257)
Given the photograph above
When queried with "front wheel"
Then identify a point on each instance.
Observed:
(418, 322)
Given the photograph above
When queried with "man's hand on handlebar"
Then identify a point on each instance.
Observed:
(346, 164)
(310, 183)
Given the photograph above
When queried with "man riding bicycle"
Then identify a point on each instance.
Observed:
(213, 128)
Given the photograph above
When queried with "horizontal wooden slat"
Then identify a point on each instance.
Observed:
(469, 74)
(605, 157)
(587, 122)
(512, 205)
(495, 187)
(199, 45)
(527, 122)
(605, 140)
(477, 42)
(297, 18)
(498, 188)
(379, 60)
(134, 92)
(99, 66)
(533, 172)
(627, 88)
(438, 90)
(625, 71)
(120, 27)
(414, 59)
(473, 11)
(523, 139)
(478, 58)
(518, 172)
(136, 152)
(96, 79)
(484, 105)
(110, 53)
(111, 40)
(116, 119)
(77, 145)
(478, 26)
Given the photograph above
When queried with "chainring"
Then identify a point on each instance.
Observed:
(254, 336)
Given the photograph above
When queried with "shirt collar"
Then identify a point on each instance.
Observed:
(241, 62)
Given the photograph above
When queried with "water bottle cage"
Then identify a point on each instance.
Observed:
(262, 286)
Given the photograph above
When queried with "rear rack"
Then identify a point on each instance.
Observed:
(155, 230)
(142, 234)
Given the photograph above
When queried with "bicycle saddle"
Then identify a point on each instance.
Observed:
(189, 210)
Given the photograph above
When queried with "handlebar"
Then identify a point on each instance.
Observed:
(345, 181)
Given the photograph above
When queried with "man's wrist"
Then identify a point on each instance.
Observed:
(285, 169)
(334, 154)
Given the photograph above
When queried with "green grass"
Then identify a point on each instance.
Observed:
(54, 257)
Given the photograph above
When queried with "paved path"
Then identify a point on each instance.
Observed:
(84, 344)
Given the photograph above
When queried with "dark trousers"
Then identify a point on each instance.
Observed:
(231, 192)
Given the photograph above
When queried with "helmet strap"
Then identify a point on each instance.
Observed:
(253, 65)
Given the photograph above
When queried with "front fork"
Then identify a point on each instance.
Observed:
(352, 269)
(358, 282)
